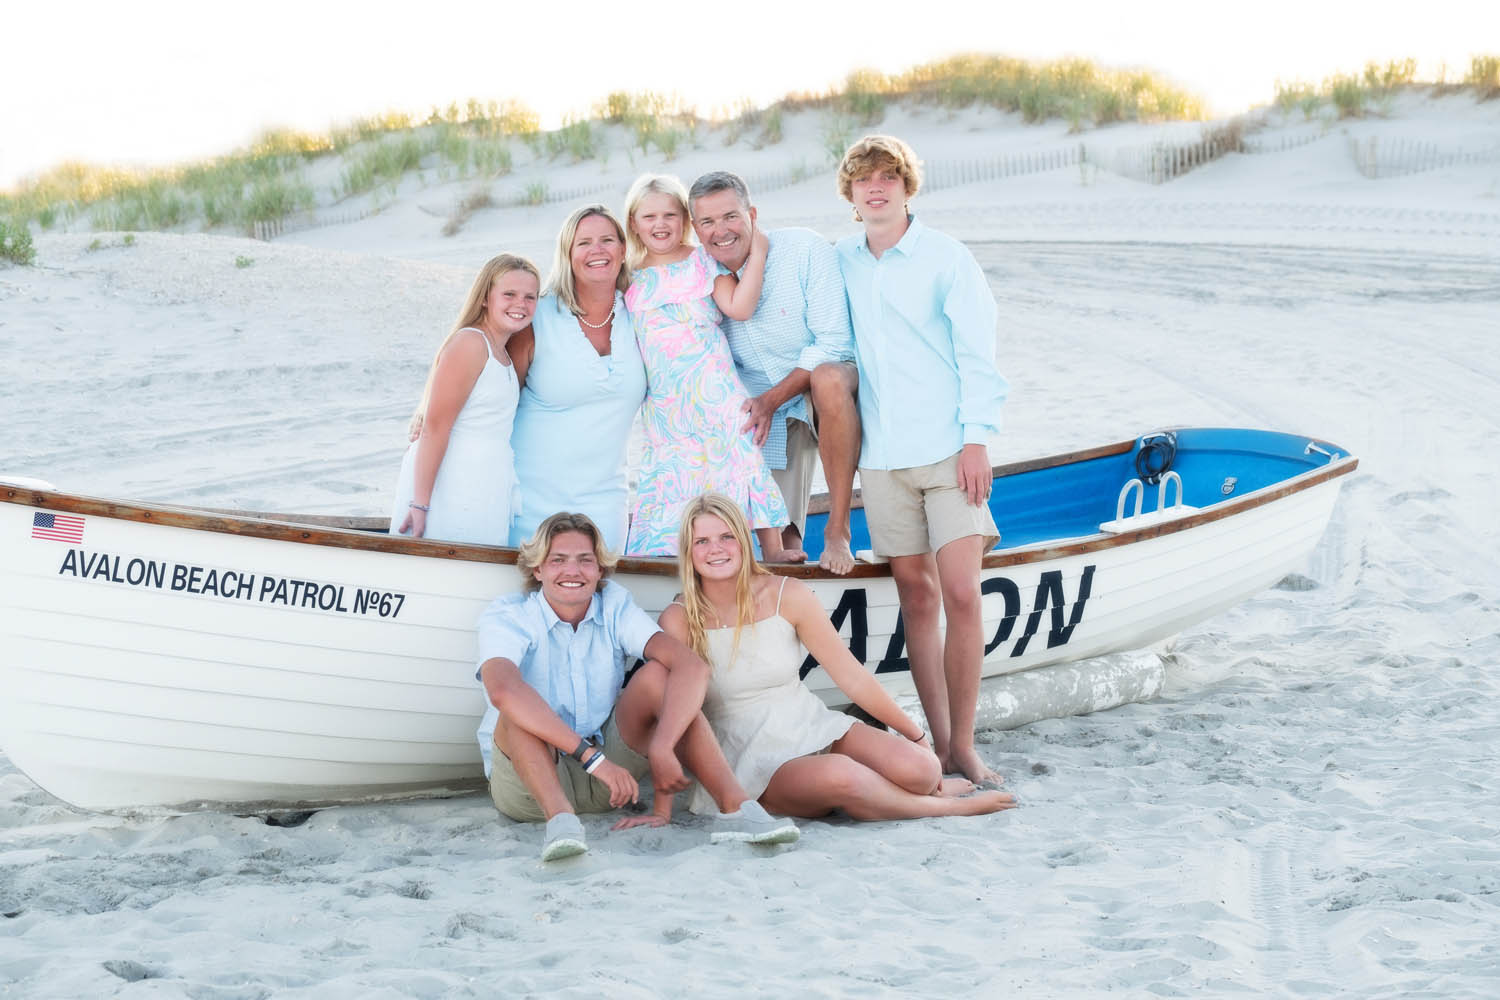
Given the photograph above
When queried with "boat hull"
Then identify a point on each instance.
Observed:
(177, 659)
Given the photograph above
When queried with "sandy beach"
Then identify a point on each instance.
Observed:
(1308, 810)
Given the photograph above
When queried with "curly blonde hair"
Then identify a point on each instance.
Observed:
(877, 152)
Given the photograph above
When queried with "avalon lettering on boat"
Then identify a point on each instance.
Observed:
(853, 607)
(231, 584)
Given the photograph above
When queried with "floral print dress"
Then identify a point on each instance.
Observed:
(694, 409)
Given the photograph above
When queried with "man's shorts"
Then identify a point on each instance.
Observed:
(921, 509)
(795, 481)
(587, 795)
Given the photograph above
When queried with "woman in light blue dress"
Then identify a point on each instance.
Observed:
(584, 383)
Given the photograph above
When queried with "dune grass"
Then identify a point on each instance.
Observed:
(1484, 77)
(269, 180)
(1075, 90)
(1352, 95)
(15, 243)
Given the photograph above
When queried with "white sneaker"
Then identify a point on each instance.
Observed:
(564, 838)
(751, 824)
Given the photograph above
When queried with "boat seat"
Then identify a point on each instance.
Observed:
(1130, 522)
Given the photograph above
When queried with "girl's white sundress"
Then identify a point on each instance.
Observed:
(475, 490)
(758, 706)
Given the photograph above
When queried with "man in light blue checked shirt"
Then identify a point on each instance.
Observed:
(795, 356)
(924, 327)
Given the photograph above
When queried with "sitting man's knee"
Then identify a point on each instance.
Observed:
(640, 702)
(831, 384)
(648, 681)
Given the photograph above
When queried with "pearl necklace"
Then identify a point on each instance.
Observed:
(598, 326)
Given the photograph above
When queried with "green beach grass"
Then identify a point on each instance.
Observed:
(270, 181)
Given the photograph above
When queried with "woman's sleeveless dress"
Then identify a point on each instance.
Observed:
(694, 410)
(475, 490)
(758, 706)
(573, 423)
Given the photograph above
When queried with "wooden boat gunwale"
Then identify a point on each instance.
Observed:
(347, 532)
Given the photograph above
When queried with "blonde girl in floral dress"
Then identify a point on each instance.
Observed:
(694, 415)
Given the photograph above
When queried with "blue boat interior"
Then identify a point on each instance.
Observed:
(1073, 499)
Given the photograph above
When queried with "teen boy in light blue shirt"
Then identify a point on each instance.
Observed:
(929, 400)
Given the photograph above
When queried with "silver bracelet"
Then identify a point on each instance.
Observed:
(417, 506)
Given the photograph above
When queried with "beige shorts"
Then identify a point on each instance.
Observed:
(795, 481)
(585, 793)
(917, 510)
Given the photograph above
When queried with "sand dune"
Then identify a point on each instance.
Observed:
(1308, 810)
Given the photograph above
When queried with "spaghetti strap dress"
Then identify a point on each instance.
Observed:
(758, 707)
(475, 491)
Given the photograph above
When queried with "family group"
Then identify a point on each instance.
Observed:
(877, 352)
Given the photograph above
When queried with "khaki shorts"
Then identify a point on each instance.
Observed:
(917, 510)
(586, 794)
(795, 481)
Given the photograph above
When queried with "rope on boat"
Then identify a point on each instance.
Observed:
(1154, 459)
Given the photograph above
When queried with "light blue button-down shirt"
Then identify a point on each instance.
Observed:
(924, 334)
(802, 321)
(579, 672)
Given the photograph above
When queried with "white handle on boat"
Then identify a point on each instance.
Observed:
(1312, 446)
(1161, 490)
(1140, 491)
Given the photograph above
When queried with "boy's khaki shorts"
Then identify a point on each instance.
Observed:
(587, 795)
(921, 509)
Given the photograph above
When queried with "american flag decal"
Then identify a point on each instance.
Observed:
(57, 527)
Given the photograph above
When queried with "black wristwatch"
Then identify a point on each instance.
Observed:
(578, 751)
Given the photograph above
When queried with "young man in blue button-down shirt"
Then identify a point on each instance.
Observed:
(559, 736)
(929, 400)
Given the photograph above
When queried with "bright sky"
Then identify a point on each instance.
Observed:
(157, 81)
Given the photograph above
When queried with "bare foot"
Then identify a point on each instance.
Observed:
(981, 803)
(787, 556)
(836, 557)
(952, 788)
(969, 763)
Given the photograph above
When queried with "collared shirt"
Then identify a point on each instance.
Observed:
(579, 672)
(801, 321)
(924, 333)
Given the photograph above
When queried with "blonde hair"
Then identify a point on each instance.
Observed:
(654, 184)
(561, 281)
(693, 601)
(475, 305)
(877, 152)
(531, 554)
